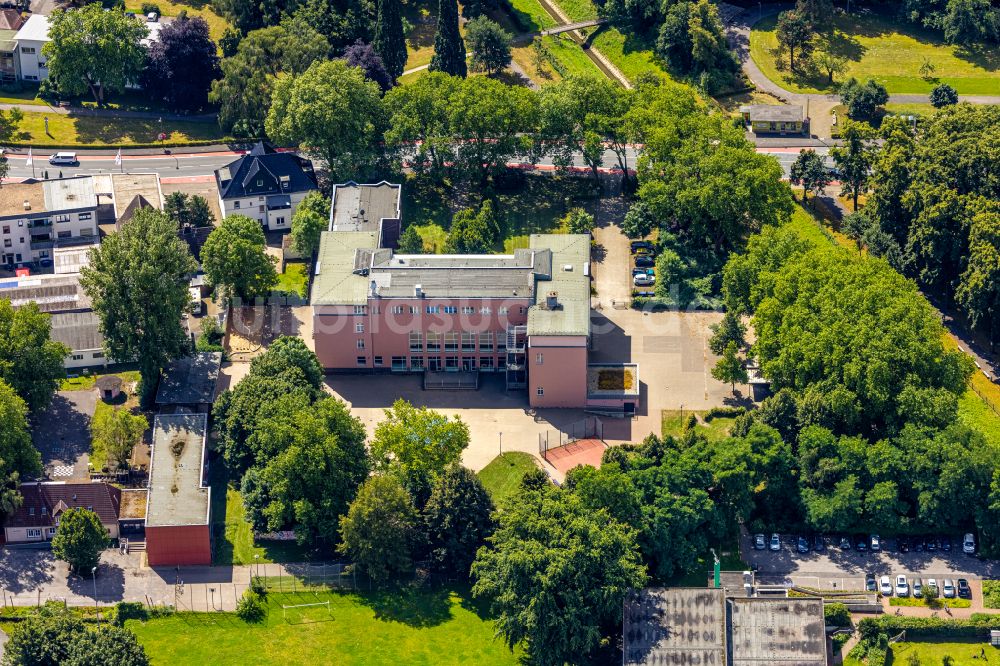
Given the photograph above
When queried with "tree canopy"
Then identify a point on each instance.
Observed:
(457, 519)
(181, 65)
(235, 259)
(379, 531)
(79, 539)
(57, 636)
(30, 361)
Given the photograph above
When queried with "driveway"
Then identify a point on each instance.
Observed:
(62, 434)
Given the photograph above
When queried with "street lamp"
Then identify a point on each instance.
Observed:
(93, 575)
(501, 442)
(256, 561)
(212, 590)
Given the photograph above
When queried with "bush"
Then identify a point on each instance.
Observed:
(148, 7)
(127, 610)
(725, 413)
(258, 587)
(250, 609)
(837, 615)
(978, 626)
(991, 593)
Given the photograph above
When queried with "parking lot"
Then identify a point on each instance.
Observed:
(837, 568)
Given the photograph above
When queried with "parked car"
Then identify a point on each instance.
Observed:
(931, 545)
(845, 543)
(903, 544)
(876, 543)
(964, 590)
(969, 544)
(885, 586)
(902, 588)
(759, 542)
(636, 245)
(861, 543)
(803, 545)
(775, 542)
(644, 271)
(946, 544)
(948, 588)
(932, 585)
(645, 261)
(643, 280)
(918, 545)
(819, 543)
(918, 588)
(870, 583)
(644, 250)
(68, 159)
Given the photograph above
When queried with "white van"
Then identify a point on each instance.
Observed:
(64, 158)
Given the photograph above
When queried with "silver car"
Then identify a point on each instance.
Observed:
(948, 588)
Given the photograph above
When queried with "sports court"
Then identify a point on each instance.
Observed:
(580, 452)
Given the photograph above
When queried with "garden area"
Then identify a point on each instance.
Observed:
(675, 422)
(933, 653)
(405, 626)
(504, 473)
(886, 49)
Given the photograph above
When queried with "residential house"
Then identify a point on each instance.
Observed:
(265, 185)
(36, 217)
(179, 506)
(37, 519)
(10, 22)
(775, 118)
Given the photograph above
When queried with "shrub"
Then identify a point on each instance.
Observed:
(250, 609)
(127, 610)
(148, 7)
(991, 593)
(837, 615)
(977, 626)
(725, 412)
(690, 422)
(258, 587)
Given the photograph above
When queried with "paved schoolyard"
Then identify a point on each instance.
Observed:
(62, 434)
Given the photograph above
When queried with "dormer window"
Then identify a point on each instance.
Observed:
(285, 182)
(31, 510)
(260, 182)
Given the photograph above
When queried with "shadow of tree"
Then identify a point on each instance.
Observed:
(412, 606)
(842, 44)
(25, 570)
(110, 582)
(985, 57)
(62, 433)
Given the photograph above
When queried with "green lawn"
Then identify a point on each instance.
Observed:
(631, 55)
(962, 653)
(75, 130)
(293, 280)
(531, 16)
(216, 24)
(919, 110)
(502, 476)
(729, 560)
(889, 50)
(234, 542)
(924, 602)
(84, 382)
(673, 421)
(975, 413)
(570, 58)
(578, 10)
(411, 627)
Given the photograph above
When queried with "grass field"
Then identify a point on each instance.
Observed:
(673, 422)
(84, 382)
(578, 10)
(889, 50)
(974, 412)
(919, 110)
(293, 280)
(971, 653)
(502, 476)
(531, 16)
(630, 55)
(216, 24)
(75, 130)
(408, 627)
(570, 58)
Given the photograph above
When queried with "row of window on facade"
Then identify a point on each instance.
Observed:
(437, 309)
(36, 533)
(469, 341)
(79, 357)
(58, 219)
(435, 363)
(9, 242)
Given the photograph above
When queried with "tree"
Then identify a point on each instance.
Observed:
(289, 352)
(457, 520)
(318, 462)
(816, 12)
(188, 209)
(418, 440)
(449, 49)
(57, 636)
(473, 232)
(309, 222)
(927, 70)
(793, 33)
(137, 281)
(830, 63)
(489, 44)
(244, 92)
(970, 21)
(18, 456)
(673, 43)
(865, 100)
(341, 22)
(979, 290)
(730, 367)
(853, 158)
(181, 65)
(235, 259)
(93, 49)
(364, 56)
(4, 167)
(79, 539)
(578, 221)
(389, 42)
(420, 121)
(710, 54)
(810, 172)
(729, 330)
(379, 531)
(943, 95)
(639, 221)
(116, 432)
(411, 242)
(30, 361)
(333, 111)
(534, 564)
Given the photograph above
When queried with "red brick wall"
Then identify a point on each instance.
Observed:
(178, 545)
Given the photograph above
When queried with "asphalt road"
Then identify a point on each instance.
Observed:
(191, 165)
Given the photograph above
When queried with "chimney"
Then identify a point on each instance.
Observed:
(551, 300)
(418, 291)
(373, 289)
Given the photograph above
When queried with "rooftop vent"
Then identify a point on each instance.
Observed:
(568, 268)
(552, 300)
(27, 205)
(418, 291)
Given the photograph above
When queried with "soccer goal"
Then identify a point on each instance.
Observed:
(317, 611)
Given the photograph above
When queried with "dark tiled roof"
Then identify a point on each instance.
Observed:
(267, 167)
(190, 380)
(41, 500)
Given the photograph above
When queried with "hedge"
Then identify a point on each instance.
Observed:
(724, 412)
(977, 626)
(837, 615)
